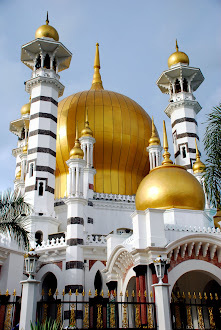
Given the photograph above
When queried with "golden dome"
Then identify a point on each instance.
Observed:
(198, 166)
(47, 31)
(154, 140)
(76, 151)
(170, 186)
(177, 57)
(86, 131)
(18, 174)
(25, 149)
(25, 110)
(122, 130)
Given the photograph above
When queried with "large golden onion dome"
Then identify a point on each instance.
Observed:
(47, 31)
(170, 186)
(121, 128)
(178, 57)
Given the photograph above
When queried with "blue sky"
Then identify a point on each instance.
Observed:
(136, 39)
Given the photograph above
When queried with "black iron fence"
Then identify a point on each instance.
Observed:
(97, 312)
(196, 311)
(10, 307)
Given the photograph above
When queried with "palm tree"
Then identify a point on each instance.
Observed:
(212, 143)
(13, 217)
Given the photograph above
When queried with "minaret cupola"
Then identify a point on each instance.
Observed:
(154, 148)
(180, 81)
(47, 31)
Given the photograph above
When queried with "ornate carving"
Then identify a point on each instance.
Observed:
(72, 317)
(58, 318)
(112, 316)
(137, 317)
(177, 317)
(200, 318)
(149, 316)
(124, 321)
(8, 318)
(211, 319)
(99, 317)
(189, 317)
(86, 316)
(45, 312)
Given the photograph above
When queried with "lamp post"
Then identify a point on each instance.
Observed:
(162, 296)
(29, 292)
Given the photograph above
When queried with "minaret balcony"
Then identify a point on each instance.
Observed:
(42, 72)
(182, 96)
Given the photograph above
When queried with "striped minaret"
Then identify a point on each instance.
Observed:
(46, 56)
(76, 205)
(154, 149)
(180, 81)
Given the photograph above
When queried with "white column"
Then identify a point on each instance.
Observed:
(28, 304)
(162, 306)
(73, 181)
(88, 155)
(77, 181)
(91, 155)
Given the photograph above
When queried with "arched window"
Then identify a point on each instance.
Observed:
(38, 237)
(41, 189)
(47, 62)
(185, 85)
(54, 64)
(31, 169)
(177, 86)
(98, 282)
(184, 152)
(38, 62)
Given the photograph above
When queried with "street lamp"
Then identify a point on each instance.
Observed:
(30, 263)
(160, 266)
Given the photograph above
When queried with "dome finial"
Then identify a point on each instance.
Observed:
(177, 47)
(76, 152)
(47, 20)
(86, 131)
(154, 140)
(198, 166)
(97, 82)
(166, 154)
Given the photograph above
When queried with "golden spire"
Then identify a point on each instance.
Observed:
(47, 20)
(177, 47)
(97, 82)
(76, 151)
(166, 154)
(154, 140)
(198, 166)
(86, 131)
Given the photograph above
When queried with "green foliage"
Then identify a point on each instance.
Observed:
(13, 217)
(48, 325)
(212, 144)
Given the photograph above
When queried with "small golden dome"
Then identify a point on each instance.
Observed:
(18, 175)
(25, 149)
(154, 140)
(47, 31)
(86, 131)
(169, 186)
(177, 57)
(25, 110)
(76, 151)
(198, 166)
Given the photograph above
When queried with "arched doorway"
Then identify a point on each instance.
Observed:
(196, 301)
(47, 307)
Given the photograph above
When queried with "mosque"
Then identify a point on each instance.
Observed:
(106, 198)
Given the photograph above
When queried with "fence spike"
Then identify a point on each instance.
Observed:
(145, 293)
(133, 294)
(89, 293)
(42, 292)
(83, 293)
(211, 296)
(205, 296)
(200, 296)
(102, 293)
(14, 293)
(70, 293)
(76, 292)
(194, 295)
(63, 293)
(178, 295)
(114, 294)
(151, 294)
(127, 294)
(49, 293)
(56, 293)
(189, 295)
(108, 294)
(7, 293)
(216, 296)
(121, 294)
(95, 294)
(139, 293)
(183, 295)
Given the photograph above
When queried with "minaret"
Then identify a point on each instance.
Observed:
(154, 149)
(87, 144)
(45, 56)
(180, 81)
(76, 204)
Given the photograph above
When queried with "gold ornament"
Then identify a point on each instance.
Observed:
(86, 316)
(178, 57)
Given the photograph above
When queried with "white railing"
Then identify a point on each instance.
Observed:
(58, 242)
(115, 197)
(194, 229)
(96, 240)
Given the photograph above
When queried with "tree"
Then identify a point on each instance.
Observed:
(13, 217)
(212, 144)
